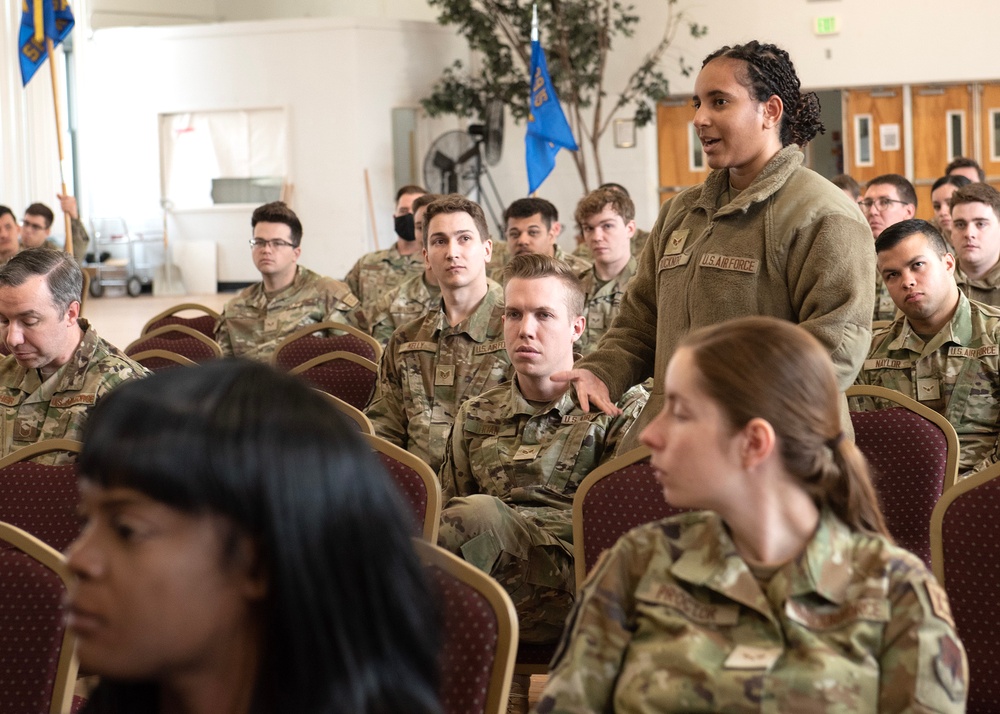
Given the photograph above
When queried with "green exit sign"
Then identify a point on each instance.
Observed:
(829, 25)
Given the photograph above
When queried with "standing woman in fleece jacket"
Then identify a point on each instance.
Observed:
(762, 236)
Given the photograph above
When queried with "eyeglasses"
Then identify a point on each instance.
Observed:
(260, 244)
(33, 226)
(883, 203)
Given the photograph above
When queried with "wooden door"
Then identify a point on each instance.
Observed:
(682, 162)
(990, 123)
(942, 130)
(873, 133)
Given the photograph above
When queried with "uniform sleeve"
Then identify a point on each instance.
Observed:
(222, 335)
(598, 632)
(626, 353)
(923, 664)
(353, 279)
(456, 470)
(80, 239)
(387, 409)
(631, 405)
(830, 272)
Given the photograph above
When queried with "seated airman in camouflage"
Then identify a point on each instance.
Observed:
(531, 225)
(518, 452)
(287, 298)
(58, 367)
(944, 349)
(607, 220)
(414, 297)
(639, 237)
(975, 233)
(434, 363)
(378, 272)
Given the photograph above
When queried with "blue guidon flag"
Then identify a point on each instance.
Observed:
(548, 130)
(41, 19)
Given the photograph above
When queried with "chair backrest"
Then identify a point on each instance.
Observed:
(322, 338)
(179, 339)
(965, 551)
(159, 360)
(479, 629)
(37, 667)
(204, 323)
(417, 483)
(39, 498)
(345, 375)
(363, 423)
(614, 498)
(913, 452)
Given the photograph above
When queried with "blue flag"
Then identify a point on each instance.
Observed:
(41, 19)
(548, 130)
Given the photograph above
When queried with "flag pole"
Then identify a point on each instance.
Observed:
(62, 176)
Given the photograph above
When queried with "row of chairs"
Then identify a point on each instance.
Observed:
(333, 357)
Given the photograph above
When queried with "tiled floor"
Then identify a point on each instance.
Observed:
(119, 320)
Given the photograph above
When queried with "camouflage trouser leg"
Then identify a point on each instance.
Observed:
(519, 550)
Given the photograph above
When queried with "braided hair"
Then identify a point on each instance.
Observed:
(769, 71)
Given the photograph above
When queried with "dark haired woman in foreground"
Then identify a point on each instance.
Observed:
(786, 594)
(244, 553)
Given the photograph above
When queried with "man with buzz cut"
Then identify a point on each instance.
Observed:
(888, 199)
(607, 220)
(58, 367)
(288, 296)
(432, 364)
(944, 349)
(518, 452)
(532, 226)
(975, 233)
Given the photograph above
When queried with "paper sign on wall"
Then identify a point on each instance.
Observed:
(888, 135)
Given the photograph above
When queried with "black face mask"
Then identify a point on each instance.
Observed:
(404, 227)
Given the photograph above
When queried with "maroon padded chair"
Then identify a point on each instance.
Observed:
(615, 498)
(204, 323)
(37, 668)
(417, 483)
(345, 375)
(179, 339)
(965, 550)
(160, 360)
(913, 452)
(39, 498)
(479, 628)
(323, 338)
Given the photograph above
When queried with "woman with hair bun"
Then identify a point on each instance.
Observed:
(243, 552)
(786, 593)
(763, 235)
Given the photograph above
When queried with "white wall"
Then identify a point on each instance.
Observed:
(337, 78)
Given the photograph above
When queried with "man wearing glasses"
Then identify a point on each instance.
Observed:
(37, 227)
(888, 199)
(288, 296)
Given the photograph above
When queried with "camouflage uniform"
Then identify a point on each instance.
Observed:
(412, 298)
(508, 485)
(636, 245)
(380, 271)
(502, 256)
(253, 323)
(672, 619)
(430, 368)
(985, 289)
(885, 308)
(57, 408)
(602, 304)
(956, 373)
(80, 241)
